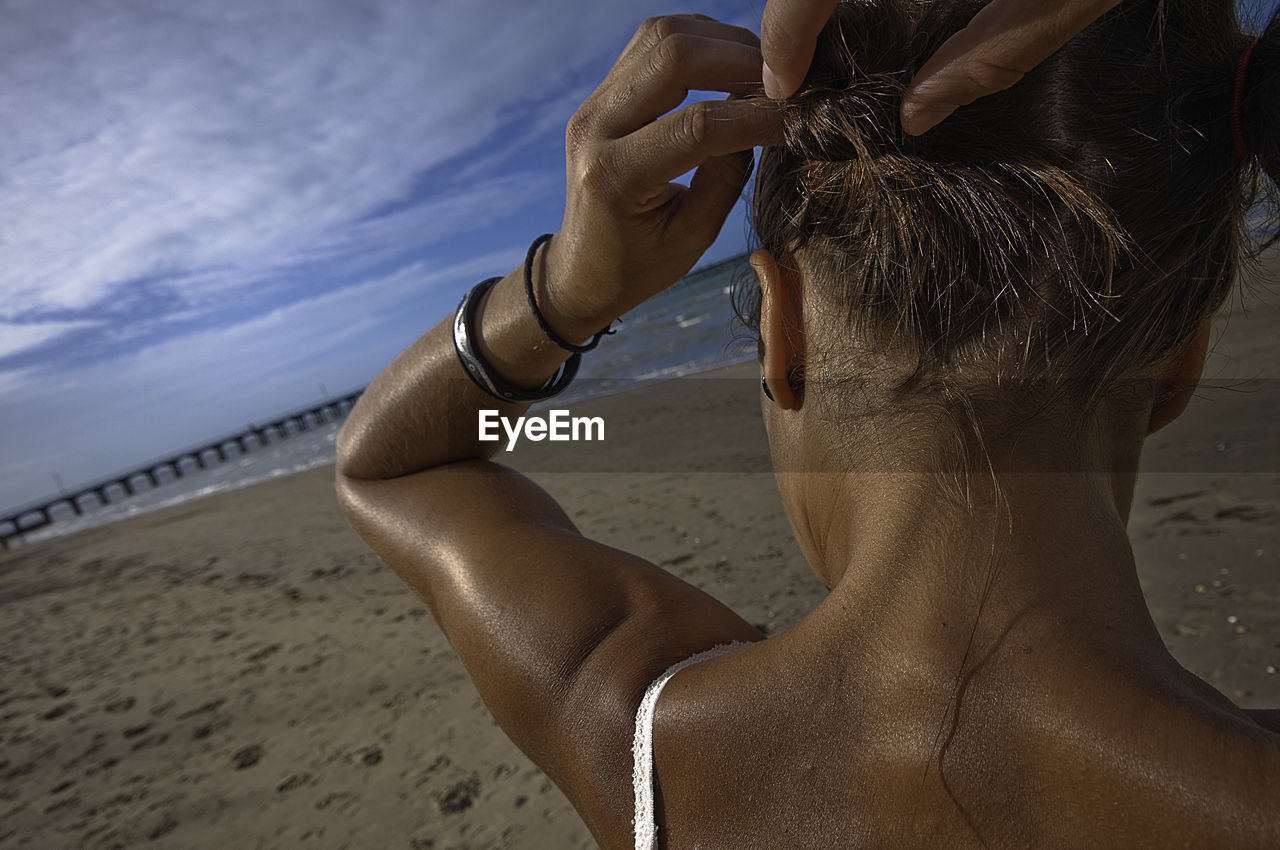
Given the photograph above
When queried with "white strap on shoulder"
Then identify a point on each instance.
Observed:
(646, 830)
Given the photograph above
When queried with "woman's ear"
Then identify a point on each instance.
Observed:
(781, 330)
(1180, 380)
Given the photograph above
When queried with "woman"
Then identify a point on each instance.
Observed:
(965, 338)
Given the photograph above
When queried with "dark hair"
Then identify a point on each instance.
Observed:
(1065, 232)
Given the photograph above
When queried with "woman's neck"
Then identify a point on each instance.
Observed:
(1013, 563)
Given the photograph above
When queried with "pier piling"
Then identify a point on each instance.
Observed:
(38, 515)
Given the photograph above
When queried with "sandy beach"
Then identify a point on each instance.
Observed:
(243, 672)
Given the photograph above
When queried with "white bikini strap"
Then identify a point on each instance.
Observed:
(646, 830)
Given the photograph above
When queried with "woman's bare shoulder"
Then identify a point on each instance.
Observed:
(781, 745)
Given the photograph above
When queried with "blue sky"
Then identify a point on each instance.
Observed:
(209, 208)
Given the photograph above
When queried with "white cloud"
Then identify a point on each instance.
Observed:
(229, 139)
(304, 330)
(219, 144)
(21, 337)
(12, 379)
(170, 394)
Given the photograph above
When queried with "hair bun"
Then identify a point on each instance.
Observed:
(1078, 226)
(848, 107)
(850, 123)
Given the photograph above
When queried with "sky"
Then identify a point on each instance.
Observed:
(209, 209)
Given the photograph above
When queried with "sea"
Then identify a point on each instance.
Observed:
(688, 328)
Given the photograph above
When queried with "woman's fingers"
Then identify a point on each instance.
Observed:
(662, 78)
(1004, 40)
(629, 231)
(655, 29)
(666, 58)
(789, 32)
(713, 190)
(643, 162)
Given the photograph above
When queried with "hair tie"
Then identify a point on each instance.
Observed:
(1237, 131)
(537, 314)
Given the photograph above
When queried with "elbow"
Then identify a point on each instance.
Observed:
(345, 489)
(361, 449)
(345, 447)
(353, 467)
(357, 504)
(342, 466)
(353, 450)
(351, 491)
(345, 478)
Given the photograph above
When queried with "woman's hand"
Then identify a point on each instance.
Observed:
(1002, 42)
(629, 231)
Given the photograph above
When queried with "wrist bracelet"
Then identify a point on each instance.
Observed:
(481, 373)
(537, 314)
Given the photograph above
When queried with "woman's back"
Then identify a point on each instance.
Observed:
(781, 745)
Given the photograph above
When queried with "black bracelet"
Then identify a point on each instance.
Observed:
(537, 314)
(481, 373)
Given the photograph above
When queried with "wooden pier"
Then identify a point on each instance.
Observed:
(159, 472)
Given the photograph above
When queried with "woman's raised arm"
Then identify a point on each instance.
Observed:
(561, 634)
(628, 233)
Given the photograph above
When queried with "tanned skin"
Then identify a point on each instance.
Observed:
(1075, 728)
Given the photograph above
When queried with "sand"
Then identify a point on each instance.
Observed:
(242, 672)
